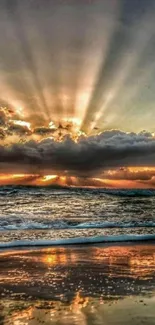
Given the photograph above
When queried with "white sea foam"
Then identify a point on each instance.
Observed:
(79, 241)
(85, 225)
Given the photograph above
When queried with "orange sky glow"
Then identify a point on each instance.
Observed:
(77, 93)
(72, 181)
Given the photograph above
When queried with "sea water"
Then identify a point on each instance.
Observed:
(48, 216)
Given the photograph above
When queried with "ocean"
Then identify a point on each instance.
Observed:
(45, 215)
(50, 275)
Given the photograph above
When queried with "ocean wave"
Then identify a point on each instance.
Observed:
(67, 225)
(116, 225)
(78, 241)
(40, 191)
(129, 192)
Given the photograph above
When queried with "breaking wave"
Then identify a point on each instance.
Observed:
(67, 225)
(78, 241)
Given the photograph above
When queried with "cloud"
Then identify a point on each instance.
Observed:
(87, 157)
(18, 129)
(152, 182)
(11, 125)
(2, 118)
(43, 130)
(125, 173)
(2, 133)
(5, 114)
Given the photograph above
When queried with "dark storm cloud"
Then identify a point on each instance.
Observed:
(90, 155)
(131, 175)
(43, 130)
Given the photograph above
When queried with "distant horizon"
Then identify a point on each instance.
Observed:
(77, 93)
(66, 186)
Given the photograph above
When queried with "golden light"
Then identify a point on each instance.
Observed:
(52, 125)
(99, 66)
(49, 177)
(6, 177)
(50, 259)
(141, 169)
(98, 115)
(79, 302)
(73, 120)
(63, 179)
(22, 317)
(71, 181)
(22, 123)
(20, 175)
(19, 111)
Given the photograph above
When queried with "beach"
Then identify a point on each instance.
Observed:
(88, 284)
(76, 256)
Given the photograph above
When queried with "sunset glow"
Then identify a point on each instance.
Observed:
(71, 181)
(77, 97)
(22, 123)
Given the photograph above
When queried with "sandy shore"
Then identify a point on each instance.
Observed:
(92, 285)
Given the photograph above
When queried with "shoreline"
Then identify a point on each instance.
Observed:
(79, 241)
(110, 283)
(77, 246)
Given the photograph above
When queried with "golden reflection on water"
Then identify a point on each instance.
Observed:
(140, 260)
(136, 260)
(78, 285)
(92, 311)
(79, 302)
(45, 312)
(51, 258)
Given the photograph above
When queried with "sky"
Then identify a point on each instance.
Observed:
(77, 99)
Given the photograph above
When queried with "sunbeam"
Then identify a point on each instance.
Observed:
(129, 46)
(77, 78)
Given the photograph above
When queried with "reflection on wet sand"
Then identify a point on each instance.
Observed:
(96, 312)
(78, 285)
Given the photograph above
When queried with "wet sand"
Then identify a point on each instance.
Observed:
(95, 285)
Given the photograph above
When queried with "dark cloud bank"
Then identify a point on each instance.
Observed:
(87, 157)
